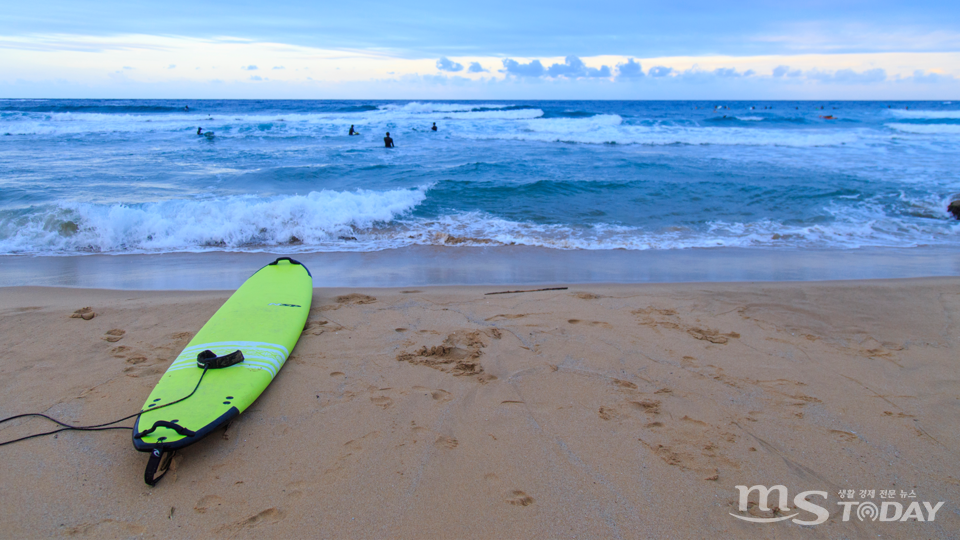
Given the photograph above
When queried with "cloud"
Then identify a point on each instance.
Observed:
(629, 70)
(731, 72)
(256, 78)
(573, 68)
(512, 67)
(930, 78)
(848, 76)
(436, 80)
(172, 66)
(279, 67)
(445, 64)
(660, 71)
(780, 71)
(250, 67)
(475, 67)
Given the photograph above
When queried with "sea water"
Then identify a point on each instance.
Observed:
(133, 176)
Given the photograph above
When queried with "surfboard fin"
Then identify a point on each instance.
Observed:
(157, 466)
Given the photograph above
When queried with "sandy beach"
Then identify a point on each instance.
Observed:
(599, 411)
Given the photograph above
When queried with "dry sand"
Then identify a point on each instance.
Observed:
(602, 411)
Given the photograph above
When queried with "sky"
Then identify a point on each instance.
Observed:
(497, 49)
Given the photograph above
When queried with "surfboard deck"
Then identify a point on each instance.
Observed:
(263, 319)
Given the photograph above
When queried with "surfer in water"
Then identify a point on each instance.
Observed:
(434, 128)
(199, 131)
(352, 132)
(388, 141)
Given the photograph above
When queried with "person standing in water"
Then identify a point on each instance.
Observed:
(352, 132)
(434, 128)
(199, 131)
(388, 141)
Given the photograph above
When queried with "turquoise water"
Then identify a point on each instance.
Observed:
(89, 176)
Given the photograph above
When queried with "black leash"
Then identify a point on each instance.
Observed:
(97, 427)
(160, 458)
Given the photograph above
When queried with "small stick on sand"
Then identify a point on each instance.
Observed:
(530, 290)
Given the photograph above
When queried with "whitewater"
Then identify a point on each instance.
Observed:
(132, 176)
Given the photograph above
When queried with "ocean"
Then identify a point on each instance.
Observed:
(132, 176)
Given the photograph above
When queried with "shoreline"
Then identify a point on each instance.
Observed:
(604, 410)
(421, 266)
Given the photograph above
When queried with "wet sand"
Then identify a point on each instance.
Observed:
(423, 266)
(600, 411)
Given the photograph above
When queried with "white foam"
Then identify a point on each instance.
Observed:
(226, 223)
(369, 221)
(513, 114)
(852, 227)
(749, 118)
(424, 108)
(925, 114)
(260, 124)
(926, 129)
(610, 128)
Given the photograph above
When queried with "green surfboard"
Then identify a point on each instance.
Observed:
(263, 320)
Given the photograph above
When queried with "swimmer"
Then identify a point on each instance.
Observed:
(186, 108)
(388, 141)
(434, 128)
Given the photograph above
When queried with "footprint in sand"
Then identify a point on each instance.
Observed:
(587, 296)
(519, 498)
(341, 467)
(114, 335)
(608, 413)
(315, 328)
(446, 442)
(86, 314)
(355, 299)
(270, 515)
(711, 335)
(459, 355)
(506, 317)
(600, 324)
(295, 489)
(845, 436)
(649, 406)
(381, 401)
(207, 502)
(441, 396)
